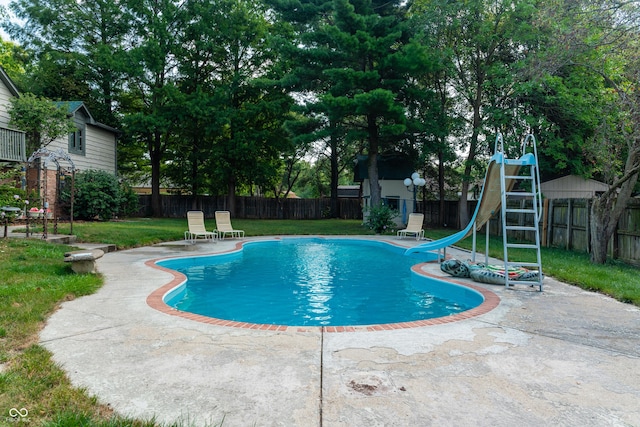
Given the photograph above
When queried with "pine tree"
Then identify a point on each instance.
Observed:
(357, 61)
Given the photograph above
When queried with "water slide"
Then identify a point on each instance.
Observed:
(489, 204)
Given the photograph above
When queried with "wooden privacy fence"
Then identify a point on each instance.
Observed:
(174, 206)
(566, 224)
(253, 207)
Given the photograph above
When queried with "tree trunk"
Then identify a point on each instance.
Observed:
(194, 176)
(473, 147)
(600, 225)
(231, 202)
(335, 207)
(372, 165)
(605, 213)
(466, 179)
(156, 155)
(441, 190)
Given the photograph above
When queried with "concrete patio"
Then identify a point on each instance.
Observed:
(561, 357)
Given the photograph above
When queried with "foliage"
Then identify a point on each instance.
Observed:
(99, 195)
(9, 189)
(380, 218)
(42, 120)
(203, 88)
(358, 62)
(313, 179)
(10, 192)
(12, 60)
(128, 200)
(68, 64)
(596, 49)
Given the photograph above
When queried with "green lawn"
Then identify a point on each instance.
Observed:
(143, 231)
(35, 280)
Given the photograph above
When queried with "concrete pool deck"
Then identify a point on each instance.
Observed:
(561, 357)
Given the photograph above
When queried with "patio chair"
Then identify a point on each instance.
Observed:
(414, 227)
(195, 220)
(224, 227)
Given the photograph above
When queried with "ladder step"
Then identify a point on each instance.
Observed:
(523, 264)
(519, 193)
(523, 211)
(524, 282)
(522, 177)
(520, 227)
(522, 246)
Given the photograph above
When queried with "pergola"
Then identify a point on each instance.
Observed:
(47, 156)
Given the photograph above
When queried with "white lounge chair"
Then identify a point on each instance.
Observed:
(224, 227)
(195, 220)
(414, 226)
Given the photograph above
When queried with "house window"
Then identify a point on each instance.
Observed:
(393, 202)
(77, 141)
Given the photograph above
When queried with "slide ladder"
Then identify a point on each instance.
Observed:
(525, 204)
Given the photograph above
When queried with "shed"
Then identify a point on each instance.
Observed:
(572, 187)
(392, 171)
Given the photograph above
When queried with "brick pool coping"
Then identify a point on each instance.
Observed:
(155, 300)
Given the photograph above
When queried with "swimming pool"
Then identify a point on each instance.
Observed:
(314, 282)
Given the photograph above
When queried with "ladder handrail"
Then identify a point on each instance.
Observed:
(532, 140)
(534, 194)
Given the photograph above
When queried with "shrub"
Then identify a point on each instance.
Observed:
(99, 195)
(10, 193)
(129, 201)
(380, 218)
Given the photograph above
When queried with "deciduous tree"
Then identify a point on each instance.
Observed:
(486, 39)
(601, 42)
(42, 120)
(78, 47)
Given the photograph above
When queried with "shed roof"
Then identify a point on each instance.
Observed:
(74, 106)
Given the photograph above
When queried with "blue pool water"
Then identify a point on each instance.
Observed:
(314, 282)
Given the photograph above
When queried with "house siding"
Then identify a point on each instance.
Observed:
(100, 150)
(5, 97)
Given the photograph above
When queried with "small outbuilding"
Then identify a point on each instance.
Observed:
(392, 171)
(572, 187)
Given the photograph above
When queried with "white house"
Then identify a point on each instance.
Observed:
(572, 187)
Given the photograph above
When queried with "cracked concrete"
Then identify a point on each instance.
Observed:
(561, 357)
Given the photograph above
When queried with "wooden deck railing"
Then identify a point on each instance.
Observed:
(12, 145)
